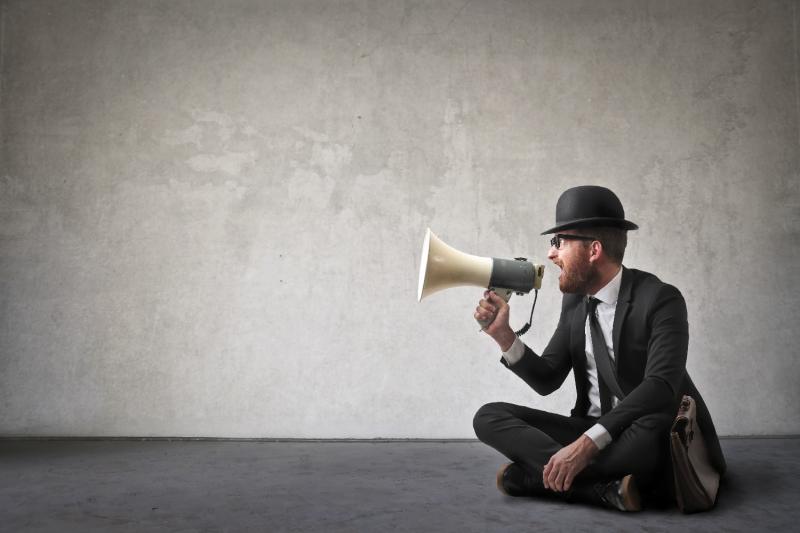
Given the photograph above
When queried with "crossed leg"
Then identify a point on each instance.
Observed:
(529, 437)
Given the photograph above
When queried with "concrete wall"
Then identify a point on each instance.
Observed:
(211, 213)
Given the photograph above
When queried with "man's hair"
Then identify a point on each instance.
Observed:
(614, 241)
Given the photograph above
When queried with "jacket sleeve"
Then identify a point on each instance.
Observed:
(666, 363)
(547, 372)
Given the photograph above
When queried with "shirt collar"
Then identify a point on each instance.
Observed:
(610, 293)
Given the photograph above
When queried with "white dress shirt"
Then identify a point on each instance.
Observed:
(606, 308)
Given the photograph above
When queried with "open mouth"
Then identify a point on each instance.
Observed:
(561, 273)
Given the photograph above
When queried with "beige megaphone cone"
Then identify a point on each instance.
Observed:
(442, 267)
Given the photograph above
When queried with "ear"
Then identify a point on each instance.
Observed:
(596, 251)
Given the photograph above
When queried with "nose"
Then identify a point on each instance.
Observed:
(552, 253)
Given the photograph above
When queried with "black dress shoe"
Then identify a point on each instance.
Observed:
(620, 494)
(512, 480)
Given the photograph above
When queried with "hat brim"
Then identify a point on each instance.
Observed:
(593, 222)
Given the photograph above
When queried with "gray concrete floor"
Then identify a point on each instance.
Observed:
(136, 486)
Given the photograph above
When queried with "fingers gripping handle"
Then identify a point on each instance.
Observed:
(505, 294)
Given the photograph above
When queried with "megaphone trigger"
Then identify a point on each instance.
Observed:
(505, 294)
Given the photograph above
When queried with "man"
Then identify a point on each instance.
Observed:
(624, 334)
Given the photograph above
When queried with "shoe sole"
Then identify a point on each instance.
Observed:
(630, 494)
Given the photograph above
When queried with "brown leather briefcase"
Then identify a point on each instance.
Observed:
(696, 481)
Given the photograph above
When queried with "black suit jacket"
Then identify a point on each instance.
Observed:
(650, 339)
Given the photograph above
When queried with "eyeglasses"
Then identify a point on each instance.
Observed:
(558, 237)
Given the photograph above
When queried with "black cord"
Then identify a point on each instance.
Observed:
(522, 331)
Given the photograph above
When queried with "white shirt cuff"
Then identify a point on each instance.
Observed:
(599, 435)
(514, 353)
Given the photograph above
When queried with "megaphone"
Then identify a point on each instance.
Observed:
(442, 267)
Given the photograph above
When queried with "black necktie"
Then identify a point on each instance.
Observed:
(605, 367)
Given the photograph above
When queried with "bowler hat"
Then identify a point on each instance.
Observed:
(589, 206)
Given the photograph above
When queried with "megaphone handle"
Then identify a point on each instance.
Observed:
(505, 294)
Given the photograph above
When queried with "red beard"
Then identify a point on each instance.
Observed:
(577, 278)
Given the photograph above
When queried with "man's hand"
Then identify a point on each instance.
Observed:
(568, 462)
(494, 308)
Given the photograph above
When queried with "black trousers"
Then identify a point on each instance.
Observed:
(529, 437)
